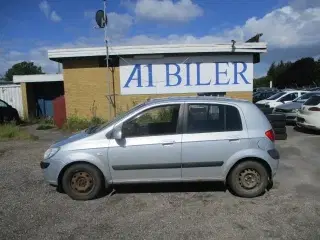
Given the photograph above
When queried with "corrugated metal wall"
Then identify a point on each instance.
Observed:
(12, 95)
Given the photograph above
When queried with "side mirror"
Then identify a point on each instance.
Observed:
(117, 133)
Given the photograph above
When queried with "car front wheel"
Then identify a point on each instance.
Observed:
(82, 181)
(248, 179)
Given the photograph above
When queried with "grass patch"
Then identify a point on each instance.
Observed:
(45, 127)
(45, 124)
(75, 123)
(13, 132)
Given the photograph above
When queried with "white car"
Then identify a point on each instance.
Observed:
(309, 114)
(280, 98)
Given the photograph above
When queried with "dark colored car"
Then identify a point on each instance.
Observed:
(262, 95)
(8, 113)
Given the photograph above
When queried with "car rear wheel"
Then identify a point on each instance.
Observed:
(82, 181)
(248, 179)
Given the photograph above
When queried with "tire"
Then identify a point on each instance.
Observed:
(81, 174)
(280, 130)
(278, 124)
(276, 117)
(16, 119)
(247, 168)
(282, 136)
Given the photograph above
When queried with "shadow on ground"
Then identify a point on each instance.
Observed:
(307, 131)
(170, 187)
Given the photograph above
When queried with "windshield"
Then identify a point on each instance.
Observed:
(276, 96)
(117, 118)
(305, 97)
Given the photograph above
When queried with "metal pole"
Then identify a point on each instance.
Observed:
(107, 60)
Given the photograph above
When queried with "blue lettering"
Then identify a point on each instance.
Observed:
(150, 78)
(240, 73)
(198, 77)
(137, 68)
(168, 74)
(188, 74)
(218, 73)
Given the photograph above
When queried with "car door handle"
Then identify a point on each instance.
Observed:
(234, 140)
(167, 142)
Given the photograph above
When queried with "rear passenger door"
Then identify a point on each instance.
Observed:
(212, 133)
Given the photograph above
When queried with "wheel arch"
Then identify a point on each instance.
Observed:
(63, 170)
(255, 159)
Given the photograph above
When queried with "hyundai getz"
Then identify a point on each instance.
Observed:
(169, 140)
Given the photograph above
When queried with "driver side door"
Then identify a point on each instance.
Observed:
(150, 149)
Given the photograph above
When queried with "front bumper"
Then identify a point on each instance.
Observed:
(44, 165)
(51, 170)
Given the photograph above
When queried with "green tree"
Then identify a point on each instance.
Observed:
(261, 82)
(22, 68)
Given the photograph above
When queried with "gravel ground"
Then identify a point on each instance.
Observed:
(30, 209)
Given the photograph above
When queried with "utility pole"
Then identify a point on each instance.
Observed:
(109, 97)
(102, 22)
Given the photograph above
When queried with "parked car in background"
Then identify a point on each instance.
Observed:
(262, 95)
(8, 113)
(280, 98)
(309, 114)
(291, 109)
(179, 139)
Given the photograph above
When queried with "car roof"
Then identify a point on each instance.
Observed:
(199, 99)
(291, 91)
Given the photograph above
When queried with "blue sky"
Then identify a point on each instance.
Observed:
(28, 28)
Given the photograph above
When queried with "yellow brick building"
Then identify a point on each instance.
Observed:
(86, 77)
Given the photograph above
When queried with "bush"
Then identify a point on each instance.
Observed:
(13, 132)
(75, 123)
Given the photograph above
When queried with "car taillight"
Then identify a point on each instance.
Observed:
(316, 109)
(270, 135)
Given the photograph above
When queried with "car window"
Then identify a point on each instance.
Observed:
(313, 101)
(289, 97)
(3, 104)
(276, 96)
(304, 97)
(161, 120)
(204, 118)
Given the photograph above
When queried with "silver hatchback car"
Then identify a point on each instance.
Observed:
(178, 139)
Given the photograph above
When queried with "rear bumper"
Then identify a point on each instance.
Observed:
(274, 161)
(308, 121)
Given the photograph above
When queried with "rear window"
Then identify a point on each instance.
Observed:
(313, 101)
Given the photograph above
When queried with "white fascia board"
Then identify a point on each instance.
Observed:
(159, 49)
(38, 78)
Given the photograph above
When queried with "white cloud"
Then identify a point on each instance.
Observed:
(290, 32)
(46, 9)
(286, 27)
(167, 10)
(304, 4)
(119, 24)
(55, 17)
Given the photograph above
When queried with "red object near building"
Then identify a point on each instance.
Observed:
(59, 111)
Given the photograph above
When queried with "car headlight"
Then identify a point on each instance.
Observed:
(50, 153)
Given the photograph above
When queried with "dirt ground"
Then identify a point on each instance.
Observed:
(31, 209)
